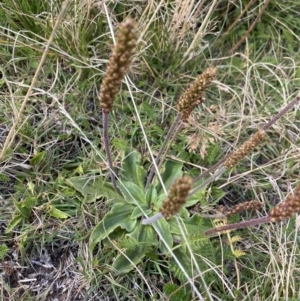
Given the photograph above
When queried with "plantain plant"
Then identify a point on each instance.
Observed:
(142, 202)
(122, 223)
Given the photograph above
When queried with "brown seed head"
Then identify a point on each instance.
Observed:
(244, 149)
(194, 95)
(118, 64)
(177, 197)
(246, 206)
(287, 208)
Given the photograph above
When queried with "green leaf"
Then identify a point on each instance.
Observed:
(23, 209)
(132, 171)
(184, 259)
(164, 229)
(93, 188)
(132, 193)
(58, 213)
(125, 263)
(30, 202)
(176, 293)
(216, 195)
(198, 197)
(120, 144)
(139, 211)
(212, 154)
(119, 216)
(13, 223)
(172, 171)
(145, 236)
(31, 187)
(3, 250)
(151, 196)
(38, 158)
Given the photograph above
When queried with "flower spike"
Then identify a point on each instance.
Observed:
(118, 65)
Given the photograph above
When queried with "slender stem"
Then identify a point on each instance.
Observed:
(281, 112)
(107, 150)
(163, 157)
(167, 139)
(245, 224)
(242, 39)
(239, 17)
(178, 129)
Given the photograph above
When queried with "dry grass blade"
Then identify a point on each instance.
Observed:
(10, 136)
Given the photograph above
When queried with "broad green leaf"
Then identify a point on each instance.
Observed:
(164, 229)
(132, 171)
(184, 259)
(57, 213)
(146, 236)
(125, 263)
(132, 193)
(198, 197)
(119, 216)
(137, 212)
(93, 188)
(14, 222)
(151, 195)
(172, 171)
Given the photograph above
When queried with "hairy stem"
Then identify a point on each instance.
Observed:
(281, 112)
(241, 225)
